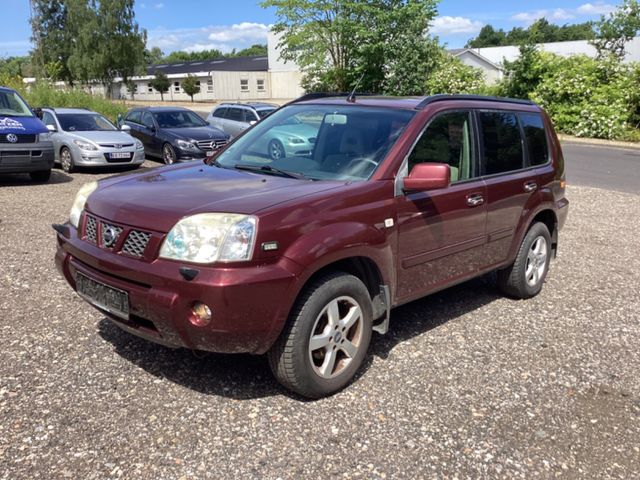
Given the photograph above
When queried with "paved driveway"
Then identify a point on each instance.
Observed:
(466, 385)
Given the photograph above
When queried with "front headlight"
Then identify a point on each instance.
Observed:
(78, 204)
(139, 145)
(186, 145)
(211, 237)
(85, 145)
(295, 140)
(44, 137)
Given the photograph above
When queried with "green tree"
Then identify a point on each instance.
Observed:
(191, 86)
(337, 43)
(132, 88)
(451, 76)
(488, 37)
(153, 56)
(524, 74)
(541, 31)
(16, 66)
(616, 29)
(53, 37)
(253, 50)
(161, 83)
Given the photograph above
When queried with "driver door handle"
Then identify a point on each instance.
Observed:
(530, 186)
(475, 200)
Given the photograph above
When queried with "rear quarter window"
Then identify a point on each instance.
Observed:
(134, 117)
(501, 142)
(535, 137)
(219, 112)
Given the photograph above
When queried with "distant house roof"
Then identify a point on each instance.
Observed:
(235, 64)
(458, 52)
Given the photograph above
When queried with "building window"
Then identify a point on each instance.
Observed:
(176, 87)
(149, 88)
(210, 85)
(244, 85)
(260, 84)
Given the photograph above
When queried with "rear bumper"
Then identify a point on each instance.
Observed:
(249, 304)
(21, 158)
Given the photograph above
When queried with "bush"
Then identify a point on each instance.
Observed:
(453, 77)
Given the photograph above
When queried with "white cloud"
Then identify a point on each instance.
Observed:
(529, 17)
(221, 37)
(596, 9)
(454, 25)
(159, 6)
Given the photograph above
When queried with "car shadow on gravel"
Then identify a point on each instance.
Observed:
(243, 376)
(24, 180)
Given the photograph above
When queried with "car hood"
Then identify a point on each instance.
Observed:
(156, 200)
(21, 125)
(197, 133)
(111, 136)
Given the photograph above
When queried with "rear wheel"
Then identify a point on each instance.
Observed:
(326, 338)
(66, 160)
(40, 176)
(524, 279)
(168, 154)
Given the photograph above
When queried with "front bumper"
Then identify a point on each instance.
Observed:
(25, 158)
(98, 158)
(250, 304)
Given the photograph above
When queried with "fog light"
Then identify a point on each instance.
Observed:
(200, 314)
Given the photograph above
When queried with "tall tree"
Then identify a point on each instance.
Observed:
(153, 56)
(540, 31)
(53, 37)
(615, 30)
(336, 43)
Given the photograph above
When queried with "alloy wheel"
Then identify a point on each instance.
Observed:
(536, 261)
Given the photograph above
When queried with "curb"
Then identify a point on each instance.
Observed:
(598, 142)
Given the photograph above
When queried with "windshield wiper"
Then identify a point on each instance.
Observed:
(269, 169)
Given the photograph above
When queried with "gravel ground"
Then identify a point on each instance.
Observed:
(466, 385)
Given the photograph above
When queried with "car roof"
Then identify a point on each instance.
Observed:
(254, 105)
(413, 103)
(160, 109)
(79, 111)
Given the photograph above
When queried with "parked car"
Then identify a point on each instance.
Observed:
(174, 134)
(304, 257)
(235, 118)
(82, 138)
(25, 143)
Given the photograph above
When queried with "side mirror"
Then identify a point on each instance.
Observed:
(125, 128)
(51, 128)
(427, 176)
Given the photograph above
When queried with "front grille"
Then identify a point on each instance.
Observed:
(22, 138)
(91, 230)
(211, 144)
(116, 145)
(136, 243)
(110, 234)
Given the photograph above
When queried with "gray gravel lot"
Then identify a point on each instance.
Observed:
(466, 385)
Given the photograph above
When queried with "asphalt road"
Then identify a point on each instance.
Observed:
(605, 167)
(467, 384)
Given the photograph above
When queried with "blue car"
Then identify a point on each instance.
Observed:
(25, 143)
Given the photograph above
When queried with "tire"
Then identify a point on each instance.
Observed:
(310, 371)
(276, 150)
(526, 276)
(169, 154)
(66, 160)
(40, 176)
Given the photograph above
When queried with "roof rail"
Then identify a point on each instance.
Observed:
(475, 98)
(316, 95)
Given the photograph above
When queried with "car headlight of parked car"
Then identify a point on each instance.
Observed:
(211, 237)
(85, 145)
(78, 204)
(139, 145)
(295, 140)
(44, 137)
(186, 145)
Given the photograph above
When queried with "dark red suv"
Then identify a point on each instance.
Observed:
(302, 257)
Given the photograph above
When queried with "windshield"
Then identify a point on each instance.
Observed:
(265, 112)
(11, 105)
(84, 122)
(319, 142)
(179, 119)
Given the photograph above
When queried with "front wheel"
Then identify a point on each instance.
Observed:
(326, 338)
(66, 160)
(525, 277)
(168, 154)
(276, 150)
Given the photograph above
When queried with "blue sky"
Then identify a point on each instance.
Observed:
(222, 24)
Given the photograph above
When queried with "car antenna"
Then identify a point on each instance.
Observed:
(352, 96)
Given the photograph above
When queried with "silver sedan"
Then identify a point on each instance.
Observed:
(82, 138)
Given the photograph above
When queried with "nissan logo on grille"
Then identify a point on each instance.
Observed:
(12, 138)
(109, 236)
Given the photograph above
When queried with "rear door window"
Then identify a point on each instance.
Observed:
(447, 139)
(535, 138)
(134, 117)
(249, 116)
(235, 114)
(147, 120)
(501, 142)
(219, 112)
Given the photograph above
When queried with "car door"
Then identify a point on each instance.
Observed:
(56, 137)
(149, 134)
(234, 123)
(216, 118)
(133, 120)
(511, 183)
(441, 233)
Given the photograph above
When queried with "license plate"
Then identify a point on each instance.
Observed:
(119, 155)
(103, 296)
